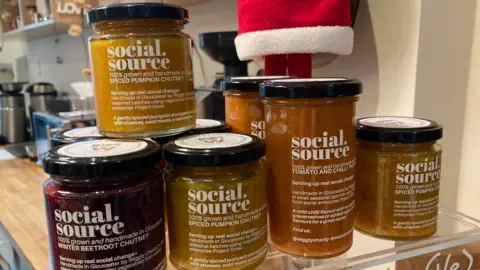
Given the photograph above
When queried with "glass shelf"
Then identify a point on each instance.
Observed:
(456, 245)
(456, 236)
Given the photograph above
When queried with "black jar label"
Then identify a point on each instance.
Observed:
(122, 232)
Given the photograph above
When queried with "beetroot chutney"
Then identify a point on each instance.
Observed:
(104, 205)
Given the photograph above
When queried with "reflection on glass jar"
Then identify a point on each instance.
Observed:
(244, 109)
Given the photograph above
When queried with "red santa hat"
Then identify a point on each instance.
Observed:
(270, 27)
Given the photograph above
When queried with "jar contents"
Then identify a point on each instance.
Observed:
(216, 201)
(398, 177)
(311, 172)
(244, 109)
(142, 70)
(75, 135)
(103, 206)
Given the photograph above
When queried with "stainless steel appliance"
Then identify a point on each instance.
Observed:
(38, 98)
(12, 113)
(12, 118)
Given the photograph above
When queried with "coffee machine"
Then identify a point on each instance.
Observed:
(220, 47)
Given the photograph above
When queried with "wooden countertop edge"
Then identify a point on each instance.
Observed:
(22, 208)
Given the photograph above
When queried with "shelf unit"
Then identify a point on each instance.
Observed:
(51, 27)
(37, 30)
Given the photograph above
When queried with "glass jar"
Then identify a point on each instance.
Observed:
(142, 70)
(398, 177)
(216, 201)
(74, 135)
(244, 109)
(104, 206)
(309, 123)
(202, 126)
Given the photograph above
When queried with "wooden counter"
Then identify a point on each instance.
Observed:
(22, 208)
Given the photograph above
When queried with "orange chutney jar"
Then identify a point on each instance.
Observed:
(142, 70)
(244, 109)
(310, 173)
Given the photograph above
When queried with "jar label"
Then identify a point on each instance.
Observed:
(102, 148)
(143, 85)
(83, 133)
(207, 123)
(416, 195)
(323, 186)
(217, 225)
(407, 194)
(395, 122)
(122, 229)
(311, 160)
(258, 129)
(213, 140)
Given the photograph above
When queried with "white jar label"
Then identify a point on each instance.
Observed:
(102, 148)
(395, 122)
(213, 140)
(207, 123)
(83, 133)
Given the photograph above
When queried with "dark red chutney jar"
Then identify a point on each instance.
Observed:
(104, 205)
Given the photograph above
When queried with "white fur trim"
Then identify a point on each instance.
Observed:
(326, 39)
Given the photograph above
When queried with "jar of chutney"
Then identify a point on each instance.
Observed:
(309, 124)
(216, 201)
(104, 205)
(244, 109)
(398, 177)
(142, 70)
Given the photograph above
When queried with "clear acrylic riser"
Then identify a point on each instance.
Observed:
(456, 245)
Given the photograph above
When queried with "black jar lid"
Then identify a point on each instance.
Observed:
(137, 11)
(202, 126)
(101, 158)
(311, 88)
(247, 84)
(214, 149)
(398, 129)
(75, 135)
(210, 126)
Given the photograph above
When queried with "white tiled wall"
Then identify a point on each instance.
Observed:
(217, 15)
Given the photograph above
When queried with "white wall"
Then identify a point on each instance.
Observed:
(444, 54)
(469, 184)
(10, 50)
(384, 57)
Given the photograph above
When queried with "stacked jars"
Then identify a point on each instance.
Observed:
(322, 175)
(104, 201)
